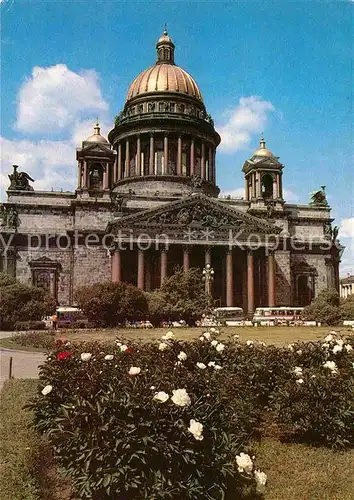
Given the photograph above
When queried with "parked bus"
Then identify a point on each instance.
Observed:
(277, 315)
(66, 316)
(229, 316)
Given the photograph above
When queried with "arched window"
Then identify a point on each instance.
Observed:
(267, 186)
(96, 176)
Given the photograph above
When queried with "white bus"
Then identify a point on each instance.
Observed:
(229, 316)
(277, 315)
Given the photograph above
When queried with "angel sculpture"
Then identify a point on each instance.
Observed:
(318, 198)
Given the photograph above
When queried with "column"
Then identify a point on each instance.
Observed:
(115, 170)
(275, 189)
(127, 158)
(116, 266)
(141, 269)
(85, 186)
(79, 175)
(151, 156)
(278, 186)
(210, 166)
(192, 158)
(229, 280)
(246, 189)
(250, 282)
(186, 252)
(138, 156)
(271, 280)
(207, 254)
(214, 166)
(253, 184)
(258, 185)
(163, 263)
(179, 156)
(119, 161)
(203, 162)
(165, 155)
(105, 176)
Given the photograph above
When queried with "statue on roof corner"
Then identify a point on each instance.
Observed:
(20, 181)
(318, 198)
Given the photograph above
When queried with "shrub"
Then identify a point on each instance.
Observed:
(117, 441)
(108, 304)
(347, 308)
(40, 340)
(30, 325)
(20, 302)
(324, 308)
(316, 404)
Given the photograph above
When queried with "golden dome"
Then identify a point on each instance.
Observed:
(164, 76)
(263, 151)
(97, 137)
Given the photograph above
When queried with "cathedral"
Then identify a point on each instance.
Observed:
(147, 201)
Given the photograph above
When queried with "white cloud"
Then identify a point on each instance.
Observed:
(54, 98)
(347, 228)
(247, 118)
(234, 193)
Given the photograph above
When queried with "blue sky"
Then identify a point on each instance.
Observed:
(281, 67)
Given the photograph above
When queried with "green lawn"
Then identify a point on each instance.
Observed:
(270, 335)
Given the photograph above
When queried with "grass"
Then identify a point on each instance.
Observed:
(19, 445)
(270, 335)
(301, 472)
(27, 471)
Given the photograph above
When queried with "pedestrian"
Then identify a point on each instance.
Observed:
(55, 321)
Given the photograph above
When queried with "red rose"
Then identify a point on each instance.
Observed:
(128, 351)
(64, 355)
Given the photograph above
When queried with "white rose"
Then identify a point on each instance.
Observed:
(217, 367)
(337, 348)
(236, 336)
(182, 356)
(118, 343)
(168, 336)
(86, 356)
(202, 366)
(261, 480)
(207, 335)
(298, 371)
(330, 365)
(244, 463)
(201, 338)
(180, 397)
(348, 347)
(340, 342)
(211, 363)
(216, 331)
(161, 396)
(47, 389)
(291, 347)
(325, 345)
(299, 381)
(220, 347)
(212, 330)
(196, 428)
(134, 370)
(163, 346)
(299, 352)
(109, 357)
(123, 348)
(214, 343)
(152, 387)
(329, 338)
(249, 342)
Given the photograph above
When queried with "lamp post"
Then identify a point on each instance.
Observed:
(208, 276)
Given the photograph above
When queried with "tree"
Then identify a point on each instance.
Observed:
(347, 308)
(185, 296)
(20, 302)
(109, 304)
(324, 307)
